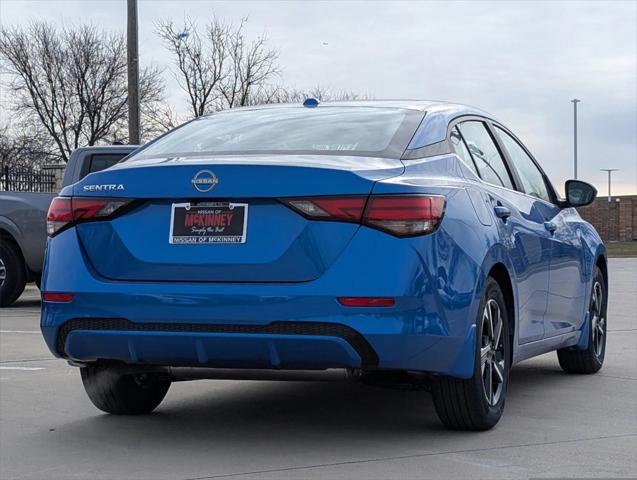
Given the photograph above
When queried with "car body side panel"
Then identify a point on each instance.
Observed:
(523, 235)
(568, 276)
(529, 246)
(466, 248)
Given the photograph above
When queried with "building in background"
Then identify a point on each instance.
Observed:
(616, 221)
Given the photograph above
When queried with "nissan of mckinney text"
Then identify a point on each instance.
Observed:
(389, 242)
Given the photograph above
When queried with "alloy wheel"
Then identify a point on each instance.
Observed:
(492, 352)
(598, 322)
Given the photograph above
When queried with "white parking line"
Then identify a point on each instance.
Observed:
(20, 331)
(28, 369)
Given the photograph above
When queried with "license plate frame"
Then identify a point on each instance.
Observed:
(212, 223)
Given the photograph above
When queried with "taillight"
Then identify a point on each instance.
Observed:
(399, 215)
(346, 209)
(404, 216)
(60, 214)
(67, 211)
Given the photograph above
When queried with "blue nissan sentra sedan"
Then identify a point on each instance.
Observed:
(397, 241)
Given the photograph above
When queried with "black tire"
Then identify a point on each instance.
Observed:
(12, 264)
(119, 394)
(590, 360)
(464, 404)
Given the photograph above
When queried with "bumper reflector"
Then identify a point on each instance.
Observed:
(57, 297)
(367, 301)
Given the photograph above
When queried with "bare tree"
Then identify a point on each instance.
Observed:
(281, 94)
(24, 146)
(73, 82)
(219, 69)
(200, 64)
(157, 118)
(326, 94)
(252, 65)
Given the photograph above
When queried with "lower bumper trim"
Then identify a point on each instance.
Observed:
(355, 339)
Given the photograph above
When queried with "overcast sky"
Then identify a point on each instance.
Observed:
(522, 61)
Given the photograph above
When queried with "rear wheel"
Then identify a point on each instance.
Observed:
(477, 403)
(12, 273)
(590, 360)
(123, 394)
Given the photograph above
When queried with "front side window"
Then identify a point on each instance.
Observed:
(531, 177)
(485, 153)
(329, 130)
(460, 149)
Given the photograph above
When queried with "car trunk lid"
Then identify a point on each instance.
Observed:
(175, 198)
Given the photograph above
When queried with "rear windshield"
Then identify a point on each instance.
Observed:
(331, 130)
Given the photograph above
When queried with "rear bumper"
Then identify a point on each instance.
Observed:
(279, 345)
(285, 326)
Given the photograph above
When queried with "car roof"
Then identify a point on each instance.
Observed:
(419, 105)
(433, 128)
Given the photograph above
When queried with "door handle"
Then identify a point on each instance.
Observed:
(502, 212)
(550, 226)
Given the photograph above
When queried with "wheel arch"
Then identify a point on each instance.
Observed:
(7, 236)
(10, 231)
(602, 263)
(501, 275)
(498, 265)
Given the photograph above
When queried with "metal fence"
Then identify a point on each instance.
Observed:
(25, 180)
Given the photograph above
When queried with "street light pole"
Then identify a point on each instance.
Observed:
(575, 101)
(609, 170)
(133, 73)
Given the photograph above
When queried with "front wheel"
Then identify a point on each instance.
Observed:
(123, 394)
(590, 360)
(478, 402)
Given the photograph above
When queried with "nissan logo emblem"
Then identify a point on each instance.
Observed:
(204, 181)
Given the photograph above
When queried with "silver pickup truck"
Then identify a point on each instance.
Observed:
(23, 221)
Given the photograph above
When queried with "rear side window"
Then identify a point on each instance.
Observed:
(486, 155)
(460, 149)
(531, 176)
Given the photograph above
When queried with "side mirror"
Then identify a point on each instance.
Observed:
(579, 194)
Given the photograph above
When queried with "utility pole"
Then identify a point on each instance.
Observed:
(609, 170)
(575, 101)
(133, 73)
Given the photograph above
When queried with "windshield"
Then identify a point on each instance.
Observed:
(330, 130)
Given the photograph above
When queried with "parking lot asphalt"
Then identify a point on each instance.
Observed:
(555, 425)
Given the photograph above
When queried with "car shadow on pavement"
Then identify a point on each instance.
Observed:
(249, 413)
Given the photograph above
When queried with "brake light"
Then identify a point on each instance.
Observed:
(399, 215)
(67, 211)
